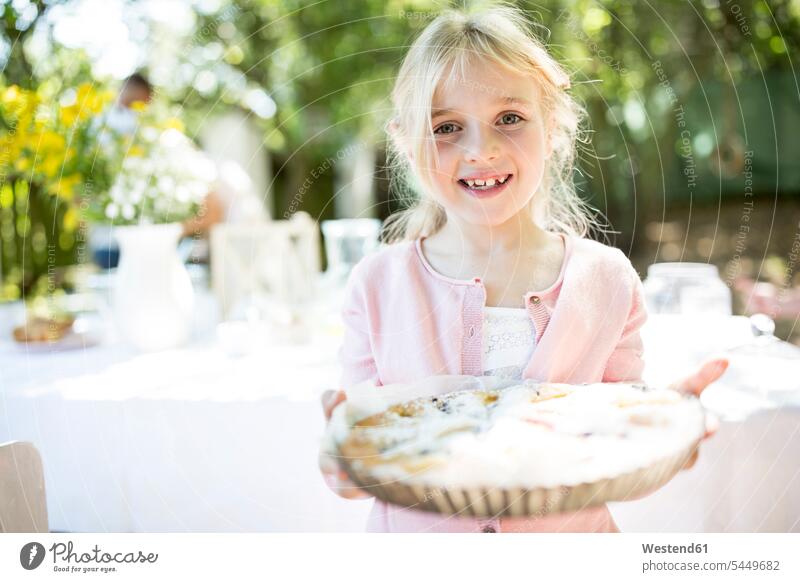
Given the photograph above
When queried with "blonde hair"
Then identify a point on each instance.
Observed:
(502, 34)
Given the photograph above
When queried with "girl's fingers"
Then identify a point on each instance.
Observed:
(712, 424)
(330, 400)
(325, 399)
(333, 475)
(339, 483)
(691, 461)
(709, 372)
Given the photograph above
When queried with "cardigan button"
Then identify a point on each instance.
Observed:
(471, 332)
(488, 529)
(535, 300)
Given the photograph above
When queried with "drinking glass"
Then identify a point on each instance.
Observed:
(686, 288)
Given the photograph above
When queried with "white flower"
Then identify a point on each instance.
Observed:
(137, 191)
(182, 194)
(116, 192)
(173, 138)
(166, 184)
(150, 133)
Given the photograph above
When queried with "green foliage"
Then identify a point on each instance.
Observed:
(646, 71)
(330, 65)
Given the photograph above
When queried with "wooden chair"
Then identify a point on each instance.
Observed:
(23, 506)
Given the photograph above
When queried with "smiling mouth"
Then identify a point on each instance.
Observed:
(485, 188)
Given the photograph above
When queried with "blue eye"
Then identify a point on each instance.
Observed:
(446, 128)
(510, 119)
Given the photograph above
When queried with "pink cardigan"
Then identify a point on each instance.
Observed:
(404, 321)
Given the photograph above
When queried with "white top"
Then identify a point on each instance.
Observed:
(509, 338)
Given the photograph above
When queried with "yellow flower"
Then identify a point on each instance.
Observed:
(71, 219)
(89, 101)
(138, 106)
(83, 92)
(7, 145)
(136, 151)
(69, 114)
(13, 97)
(51, 165)
(48, 147)
(174, 123)
(10, 95)
(65, 187)
(100, 100)
(19, 103)
(6, 196)
(22, 164)
(52, 141)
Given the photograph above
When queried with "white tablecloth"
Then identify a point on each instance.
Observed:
(199, 440)
(747, 479)
(185, 440)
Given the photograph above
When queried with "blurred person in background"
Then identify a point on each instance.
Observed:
(135, 93)
(233, 199)
(122, 118)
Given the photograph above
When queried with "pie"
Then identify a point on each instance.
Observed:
(526, 436)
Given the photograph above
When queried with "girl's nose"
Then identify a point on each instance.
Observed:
(481, 146)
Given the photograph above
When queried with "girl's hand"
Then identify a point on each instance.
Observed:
(334, 477)
(330, 400)
(709, 372)
(695, 383)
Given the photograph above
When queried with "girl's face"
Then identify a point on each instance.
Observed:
(491, 143)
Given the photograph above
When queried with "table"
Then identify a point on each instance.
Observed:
(193, 439)
(198, 439)
(747, 479)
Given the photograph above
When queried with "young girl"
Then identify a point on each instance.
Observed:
(490, 273)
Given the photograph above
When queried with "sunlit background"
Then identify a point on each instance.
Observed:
(683, 98)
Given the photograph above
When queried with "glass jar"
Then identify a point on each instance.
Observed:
(347, 241)
(686, 288)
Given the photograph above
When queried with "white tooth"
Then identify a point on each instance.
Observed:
(470, 183)
(490, 182)
(503, 179)
(479, 182)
